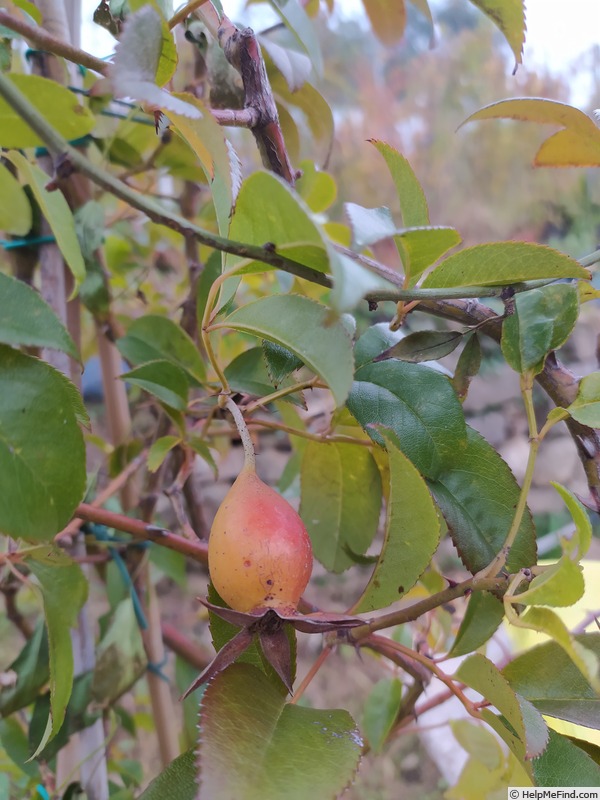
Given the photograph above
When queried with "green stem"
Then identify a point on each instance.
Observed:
(313, 437)
(561, 415)
(591, 259)
(498, 563)
(270, 398)
(206, 317)
(240, 424)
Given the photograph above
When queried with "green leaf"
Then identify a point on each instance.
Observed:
(424, 346)
(59, 578)
(77, 717)
(303, 327)
(300, 25)
(543, 620)
(467, 367)
(388, 20)
(369, 225)
(578, 545)
(483, 616)
(163, 379)
(138, 64)
(417, 404)
(178, 781)
(565, 764)
(57, 212)
(542, 321)
(509, 17)
(267, 210)
(254, 745)
(206, 138)
(200, 447)
(167, 62)
(340, 501)
(413, 205)
(280, 362)
(381, 710)
(373, 342)
(419, 248)
(316, 109)
(559, 585)
(159, 450)
(478, 494)
(15, 208)
(548, 678)
(294, 66)
(14, 741)
(412, 534)
(501, 263)
(480, 674)
(156, 338)
(317, 188)
(42, 454)
(478, 742)
(26, 319)
(120, 656)
(586, 406)
(352, 282)
(31, 668)
(248, 373)
(60, 107)
(30, 9)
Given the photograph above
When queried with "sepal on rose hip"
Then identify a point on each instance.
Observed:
(268, 625)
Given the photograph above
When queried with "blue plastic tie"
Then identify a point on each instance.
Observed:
(14, 244)
(102, 535)
(156, 669)
(42, 791)
(81, 142)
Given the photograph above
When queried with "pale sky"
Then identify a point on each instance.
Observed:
(558, 31)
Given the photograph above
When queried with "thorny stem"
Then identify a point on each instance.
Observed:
(59, 146)
(414, 611)
(316, 666)
(240, 423)
(498, 563)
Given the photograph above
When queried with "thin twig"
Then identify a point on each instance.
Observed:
(45, 41)
(109, 490)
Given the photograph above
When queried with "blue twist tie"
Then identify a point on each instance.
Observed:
(42, 791)
(81, 142)
(156, 669)
(102, 535)
(14, 244)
